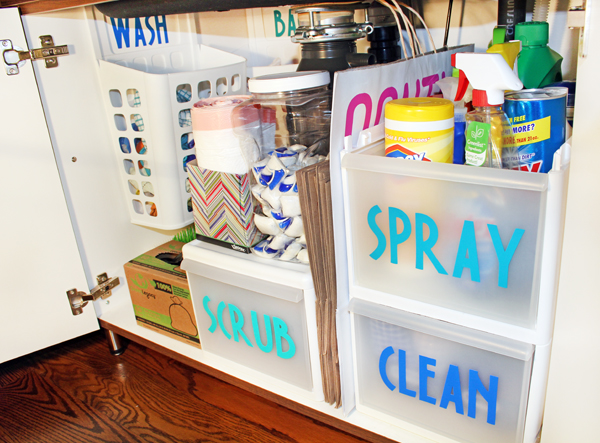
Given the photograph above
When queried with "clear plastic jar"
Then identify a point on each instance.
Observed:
(293, 108)
(288, 117)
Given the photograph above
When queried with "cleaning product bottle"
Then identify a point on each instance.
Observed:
(488, 128)
(538, 65)
(449, 86)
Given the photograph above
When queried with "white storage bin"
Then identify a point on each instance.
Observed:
(464, 384)
(476, 241)
(257, 313)
(152, 72)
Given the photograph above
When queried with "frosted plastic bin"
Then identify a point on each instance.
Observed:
(464, 384)
(257, 313)
(475, 241)
(152, 70)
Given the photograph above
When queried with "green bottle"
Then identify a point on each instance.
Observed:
(538, 65)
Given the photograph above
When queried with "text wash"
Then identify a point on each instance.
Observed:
(466, 256)
(146, 35)
(452, 388)
(279, 331)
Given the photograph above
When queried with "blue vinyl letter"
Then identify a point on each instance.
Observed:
(121, 31)
(237, 323)
(466, 257)
(424, 374)
(161, 24)
(291, 24)
(281, 332)
(220, 308)
(381, 241)
(269, 346)
(139, 33)
(504, 257)
(452, 391)
(213, 319)
(278, 21)
(383, 358)
(395, 238)
(490, 395)
(151, 29)
(424, 246)
(402, 375)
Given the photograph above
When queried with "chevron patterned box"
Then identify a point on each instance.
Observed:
(223, 208)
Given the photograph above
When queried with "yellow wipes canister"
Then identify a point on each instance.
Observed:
(420, 128)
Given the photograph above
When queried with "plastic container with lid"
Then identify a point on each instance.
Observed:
(420, 129)
(292, 113)
(293, 107)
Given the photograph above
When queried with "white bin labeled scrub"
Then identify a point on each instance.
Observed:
(465, 384)
(257, 313)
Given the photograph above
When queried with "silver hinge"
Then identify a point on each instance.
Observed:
(14, 57)
(78, 299)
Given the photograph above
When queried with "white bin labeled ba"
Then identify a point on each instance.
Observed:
(465, 384)
(257, 313)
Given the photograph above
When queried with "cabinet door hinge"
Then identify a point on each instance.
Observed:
(78, 299)
(15, 57)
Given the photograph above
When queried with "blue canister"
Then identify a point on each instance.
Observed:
(538, 119)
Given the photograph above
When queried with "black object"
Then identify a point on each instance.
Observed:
(327, 35)
(384, 43)
(448, 17)
(511, 12)
(171, 258)
(146, 8)
(332, 56)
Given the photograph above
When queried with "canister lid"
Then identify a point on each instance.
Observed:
(288, 81)
(419, 109)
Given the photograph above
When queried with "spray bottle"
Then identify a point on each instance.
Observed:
(449, 87)
(489, 134)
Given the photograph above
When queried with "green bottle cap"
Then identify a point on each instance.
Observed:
(532, 33)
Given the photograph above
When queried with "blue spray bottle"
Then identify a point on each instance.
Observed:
(449, 88)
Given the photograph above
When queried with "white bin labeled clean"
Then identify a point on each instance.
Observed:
(257, 313)
(475, 241)
(465, 384)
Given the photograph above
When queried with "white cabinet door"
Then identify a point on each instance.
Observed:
(40, 260)
(572, 407)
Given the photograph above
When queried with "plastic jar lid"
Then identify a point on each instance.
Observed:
(419, 109)
(288, 81)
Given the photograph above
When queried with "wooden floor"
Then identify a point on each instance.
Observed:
(79, 392)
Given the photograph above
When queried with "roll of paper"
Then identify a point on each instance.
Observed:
(221, 144)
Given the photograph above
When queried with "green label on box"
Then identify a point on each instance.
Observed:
(153, 316)
(178, 322)
(181, 292)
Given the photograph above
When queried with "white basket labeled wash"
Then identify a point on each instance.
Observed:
(148, 96)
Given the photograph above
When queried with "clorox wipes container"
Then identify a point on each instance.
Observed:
(420, 128)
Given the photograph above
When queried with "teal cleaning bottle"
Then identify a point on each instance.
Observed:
(538, 65)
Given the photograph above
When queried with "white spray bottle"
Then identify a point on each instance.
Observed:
(489, 138)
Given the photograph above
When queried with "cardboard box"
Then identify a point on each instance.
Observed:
(160, 293)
